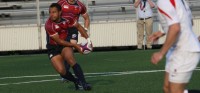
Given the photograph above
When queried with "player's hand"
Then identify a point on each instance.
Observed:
(153, 38)
(86, 30)
(90, 43)
(156, 57)
(78, 48)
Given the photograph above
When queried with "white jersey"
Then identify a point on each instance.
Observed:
(178, 11)
(144, 10)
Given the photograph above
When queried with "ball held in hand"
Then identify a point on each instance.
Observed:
(86, 48)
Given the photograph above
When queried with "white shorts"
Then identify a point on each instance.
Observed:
(180, 65)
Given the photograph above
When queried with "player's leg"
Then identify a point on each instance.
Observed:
(67, 53)
(67, 68)
(166, 83)
(54, 53)
(149, 25)
(177, 87)
(182, 69)
(57, 62)
(140, 33)
(72, 37)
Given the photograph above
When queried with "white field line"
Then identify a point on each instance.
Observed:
(101, 73)
(18, 83)
(95, 75)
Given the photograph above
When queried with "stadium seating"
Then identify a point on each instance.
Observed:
(99, 10)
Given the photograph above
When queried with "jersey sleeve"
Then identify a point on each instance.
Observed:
(83, 8)
(60, 2)
(168, 11)
(50, 30)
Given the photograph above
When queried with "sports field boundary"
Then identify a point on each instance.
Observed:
(88, 75)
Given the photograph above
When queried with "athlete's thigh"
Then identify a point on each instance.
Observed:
(57, 62)
(68, 55)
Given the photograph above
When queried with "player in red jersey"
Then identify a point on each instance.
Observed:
(74, 8)
(60, 50)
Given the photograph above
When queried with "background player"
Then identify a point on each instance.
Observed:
(60, 50)
(74, 8)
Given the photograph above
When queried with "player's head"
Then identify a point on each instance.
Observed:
(55, 11)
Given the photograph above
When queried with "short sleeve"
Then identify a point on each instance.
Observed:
(168, 11)
(50, 29)
(83, 8)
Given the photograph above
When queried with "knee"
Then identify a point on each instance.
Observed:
(71, 62)
(166, 89)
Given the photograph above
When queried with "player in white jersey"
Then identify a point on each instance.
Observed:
(181, 46)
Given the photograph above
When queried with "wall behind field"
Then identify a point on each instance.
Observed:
(103, 34)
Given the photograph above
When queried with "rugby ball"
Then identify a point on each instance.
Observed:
(86, 48)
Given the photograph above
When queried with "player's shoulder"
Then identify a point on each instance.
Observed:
(163, 3)
(48, 24)
(80, 3)
(60, 2)
(166, 5)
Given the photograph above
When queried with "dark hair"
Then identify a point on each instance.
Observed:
(56, 5)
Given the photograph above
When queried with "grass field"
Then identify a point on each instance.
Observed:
(108, 72)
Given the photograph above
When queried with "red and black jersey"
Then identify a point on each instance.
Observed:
(74, 10)
(60, 28)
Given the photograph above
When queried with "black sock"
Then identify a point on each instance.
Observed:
(69, 77)
(193, 91)
(67, 66)
(79, 73)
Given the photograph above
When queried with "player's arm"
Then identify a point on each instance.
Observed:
(85, 16)
(155, 36)
(170, 40)
(136, 4)
(64, 43)
(172, 35)
(173, 22)
(87, 21)
(81, 30)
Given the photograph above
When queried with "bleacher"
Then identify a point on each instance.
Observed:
(99, 10)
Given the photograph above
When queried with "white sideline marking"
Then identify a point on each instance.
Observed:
(104, 74)
(18, 83)
(28, 76)
(101, 73)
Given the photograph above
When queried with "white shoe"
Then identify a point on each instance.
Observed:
(63, 80)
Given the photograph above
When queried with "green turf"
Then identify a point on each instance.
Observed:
(96, 62)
